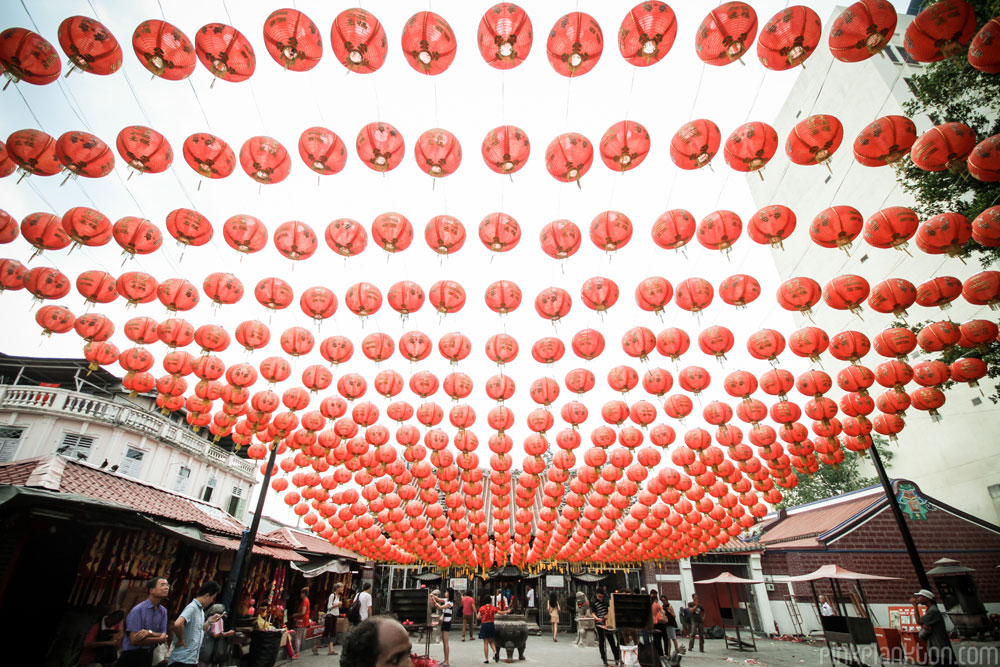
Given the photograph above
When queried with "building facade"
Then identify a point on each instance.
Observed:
(956, 459)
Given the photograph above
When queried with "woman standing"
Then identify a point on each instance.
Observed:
(447, 607)
(487, 631)
(554, 615)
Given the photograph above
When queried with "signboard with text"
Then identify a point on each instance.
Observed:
(460, 584)
(554, 581)
(903, 617)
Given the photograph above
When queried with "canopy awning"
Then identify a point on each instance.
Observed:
(259, 549)
(729, 578)
(314, 568)
(590, 577)
(832, 571)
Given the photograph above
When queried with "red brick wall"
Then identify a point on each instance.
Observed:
(877, 548)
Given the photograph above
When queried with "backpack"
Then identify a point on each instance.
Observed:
(354, 611)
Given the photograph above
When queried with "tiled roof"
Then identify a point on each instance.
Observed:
(259, 549)
(17, 473)
(801, 527)
(303, 541)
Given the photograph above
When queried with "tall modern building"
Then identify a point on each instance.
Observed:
(954, 459)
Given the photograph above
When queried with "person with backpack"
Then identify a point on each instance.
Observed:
(215, 645)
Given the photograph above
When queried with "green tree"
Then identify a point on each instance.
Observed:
(953, 91)
(989, 353)
(832, 481)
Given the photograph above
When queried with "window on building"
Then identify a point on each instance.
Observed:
(864, 258)
(183, 476)
(76, 446)
(10, 438)
(892, 55)
(907, 58)
(977, 401)
(132, 462)
(206, 494)
(237, 503)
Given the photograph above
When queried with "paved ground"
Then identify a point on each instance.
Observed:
(771, 653)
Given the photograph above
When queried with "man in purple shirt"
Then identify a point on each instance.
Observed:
(145, 626)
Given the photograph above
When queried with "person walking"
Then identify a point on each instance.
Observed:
(446, 606)
(145, 626)
(932, 629)
(599, 609)
(487, 630)
(365, 598)
(697, 624)
(659, 623)
(102, 641)
(333, 605)
(190, 626)
(468, 615)
(215, 647)
(529, 603)
(671, 618)
(554, 614)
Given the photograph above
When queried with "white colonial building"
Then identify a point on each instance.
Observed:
(955, 459)
(56, 406)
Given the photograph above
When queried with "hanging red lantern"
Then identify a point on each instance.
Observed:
(544, 391)
(653, 294)
(428, 43)
(380, 146)
(137, 287)
(715, 341)
(968, 369)
(244, 233)
(46, 283)
(501, 349)
(415, 346)
(29, 57)
(928, 399)
(984, 161)
(849, 345)
(84, 154)
(178, 294)
(599, 293)
(144, 149)
(895, 342)
(931, 373)
(293, 40)
(695, 144)
(405, 297)
(34, 152)
(984, 54)
(836, 227)
(719, 230)
(225, 52)
(657, 381)
(673, 229)
(378, 347)
(437, 152)
(96, 287)
(54, 319)
(726, 33)
(624, 146)
(548, 350)
(647, 33)
(89, 45)
(750, 147)
(9, 227)
(500, 387)
(568, 157)
(87, 226)
(363, 299)
(694, 294)
(846, 292)
(295, 240)
(938, 292)
(894, 296)
(164, 50)
(94, 327)
(891, 227)
(141, 330)
(265, 160)
(694, 379)
(809, 342)
(553, 303)
(273, 293)
(939, 336)
(814, 140)
(678, 406)
(560, 239)
(739, 290)
(623, 379)
(983, 289)
(322, 150)
(978, 333)
(319, 303)
(765, 344)
(392, 231)
(444, 234)
(211, 338)
(447, 296)
(175, 333)
(862, 30)
(944, 234)
(44, 231)
(209, 155)
(579, 380)
(940, 31)
(885, 141)
(346, 237)
(503, 296)
(771, 225)
(505, 149)
(575, 44)
(102, 353)
(499, 232)
(190, 228)
(610, 230)
(789, 38)
(639, 342)
(358, 41)
(945, 146)
(740, 384)
(424, 384)
(505, 36)
(336, 349)
(588, 344)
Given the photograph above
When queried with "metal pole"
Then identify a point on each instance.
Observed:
(897, 514)
(241, 562)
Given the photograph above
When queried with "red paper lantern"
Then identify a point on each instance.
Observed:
(189, 227)
(447, 296)
(84, 154)
(444, 234)
(378, 347)
(647, 33)
(544, 391)
(505, 36)
(610, 230)
(765, 344)
(34, 152)
(836, 227)
(625, 145)
(358, 40)
(653, 294)
(673, 229)
(885, 140)
(164, 50)
(945, 146)
(363, 299)
(984, 51)
(715, 341)
(739, 290)
(29, 57)
(500, 387)
(694, 294)
(145, 149)
(548, 350)
(978, 333)
(726, 33)
(814, 140)
(273, 293)
(7, 165)
(244, 233)
(319, 303)
(639, 342)
(437, 152)
(862, 30)
(94, 327)
(983, 289)
(771, 225)
(177, 294)
(719, 230)
(894, 296)
(380, 146)
(428, 43)
(695, 144)
(44, 231)
(137, 287)
(405, 297)
(295, 240)
(846, 292)
(939, 336)
(54, 319)
(392, 231)
(209, 155)
(809, 342)
(789, 38)
(505, 149)
(96, 287)
(945, 233)
(678, 406)
(265, 160)
(346, 237)
(623, 379)
(575, 44)
(694, 379)
(895, 342)
(940, 31)
(503, 296)
(568, 157)
(560, 239)
(141, 330)
(9, 227)
(939, 291)
(891, 227)
(499, 232)
(968, 369)
(225, 52)
(501, 349)
(849, 345)
(336, 350)
(599, 293)
(175, 333)
(293, 40)
(984, 161)
(588, 344)
(322, 150)
(553, 303)
(750, 147)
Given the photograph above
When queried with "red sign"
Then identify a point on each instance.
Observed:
(904, 618)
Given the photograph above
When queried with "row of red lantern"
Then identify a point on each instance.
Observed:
(574, 44)
(506, 149)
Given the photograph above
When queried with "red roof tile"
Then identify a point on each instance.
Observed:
(303, 541)
(17, 473)
(801, 528)
(259, 549)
